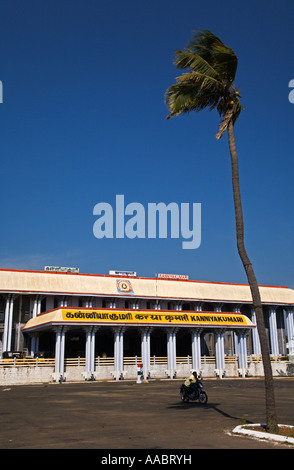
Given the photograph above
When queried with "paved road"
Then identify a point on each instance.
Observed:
(126, 415)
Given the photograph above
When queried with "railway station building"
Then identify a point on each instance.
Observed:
(58, 326)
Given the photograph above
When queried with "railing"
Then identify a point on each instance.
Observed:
(75, 361)
(99, 361)
(279, 358)
(27, 362)
(133, 360)
(188, 360)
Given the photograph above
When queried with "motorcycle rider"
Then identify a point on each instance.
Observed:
(191, 380)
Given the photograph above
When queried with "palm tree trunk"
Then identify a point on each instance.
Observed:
(271, 417)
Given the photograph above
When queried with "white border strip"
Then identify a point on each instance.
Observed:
(242, 429)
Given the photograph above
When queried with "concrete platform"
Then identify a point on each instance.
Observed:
(126, 415)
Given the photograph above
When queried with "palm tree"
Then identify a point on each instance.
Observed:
(209, 69)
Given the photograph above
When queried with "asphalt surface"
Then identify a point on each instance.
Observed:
(127, 415)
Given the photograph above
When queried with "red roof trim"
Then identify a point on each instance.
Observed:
(136, 277)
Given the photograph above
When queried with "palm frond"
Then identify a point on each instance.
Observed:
(213, 50)
(208, 80)
(201, 80)
(225, 62)
(203, 42)
(186, 97)
(195, 63)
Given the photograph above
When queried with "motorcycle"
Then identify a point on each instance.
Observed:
(194, 392)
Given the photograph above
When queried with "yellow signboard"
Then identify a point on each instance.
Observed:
(158, 317)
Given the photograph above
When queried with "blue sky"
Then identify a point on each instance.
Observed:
(83, 119)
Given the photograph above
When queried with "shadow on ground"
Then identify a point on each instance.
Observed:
(208, 406)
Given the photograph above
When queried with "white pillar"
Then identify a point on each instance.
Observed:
(39, 305)
(236, 309)
(90, 351)
(148, 347)
(174, 350)
(243, 364)
(62, 351)
(255, 335)
(219, 347)
(196, 342)
(171, 352)
(112, 303)
(196, 349)
(144, 354)
(145, 350)
(35, 307)
(168, 346)
(218, 307)
(6, 323)
(10, 319)
(273, 331)
(59, 353)
(121, 350)
(116, 340)
(63, 302)
(289, 326)
(118, 352)
(219, 353)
